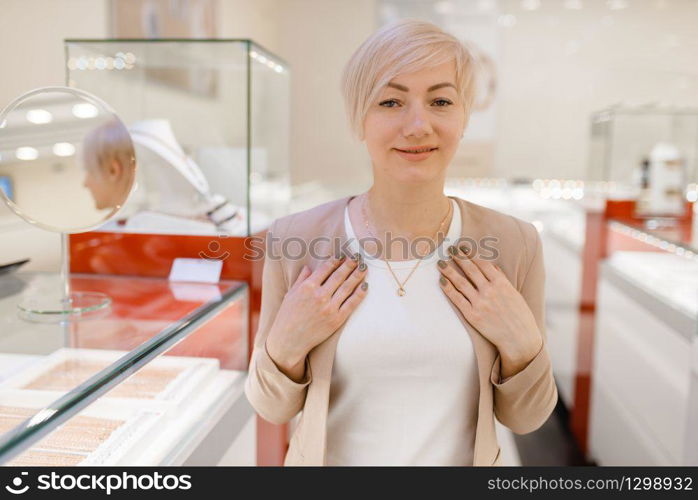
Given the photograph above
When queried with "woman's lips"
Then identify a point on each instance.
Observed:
(415, 156)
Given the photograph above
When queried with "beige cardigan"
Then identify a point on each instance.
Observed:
(522, 402)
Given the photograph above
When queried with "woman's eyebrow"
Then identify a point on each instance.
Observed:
(430, 89)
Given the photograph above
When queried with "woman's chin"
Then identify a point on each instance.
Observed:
(416, 174)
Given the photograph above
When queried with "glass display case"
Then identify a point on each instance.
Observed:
(157, 379)
(663, 261)
(210, 122)
(644, 397)
(649, 153)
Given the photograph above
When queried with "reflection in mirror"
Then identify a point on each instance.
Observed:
(173, 194)
(68, 157)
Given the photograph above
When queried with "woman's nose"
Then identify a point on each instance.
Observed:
(417, 122)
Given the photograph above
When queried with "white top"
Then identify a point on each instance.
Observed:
(404, 387)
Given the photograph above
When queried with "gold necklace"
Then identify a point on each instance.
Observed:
(401, 286)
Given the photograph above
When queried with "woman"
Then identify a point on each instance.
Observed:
(109, 164)
(412, 369)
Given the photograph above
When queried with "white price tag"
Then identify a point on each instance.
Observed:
(196, 270)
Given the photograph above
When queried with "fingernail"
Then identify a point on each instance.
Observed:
(441, 263)
(340, 257)
(452, 250)
(465, 250)
(442, 280)
(362, 266)
(355, 257)
(364, 285)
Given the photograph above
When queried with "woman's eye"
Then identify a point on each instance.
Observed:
(390, 103)
(442, 102)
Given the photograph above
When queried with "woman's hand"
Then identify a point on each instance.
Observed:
(489, 302)
(315, 306)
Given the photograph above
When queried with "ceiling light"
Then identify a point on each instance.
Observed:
(444, 7)
(485, 5)
(39, 116)
(530, 4)
(63, 149)
(26, 153)
(85, 110)
(617, 4)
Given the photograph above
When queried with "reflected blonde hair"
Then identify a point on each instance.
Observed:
(107, 142)
(402, 46)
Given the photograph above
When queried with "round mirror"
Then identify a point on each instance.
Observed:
(67, 164)
(66, 159)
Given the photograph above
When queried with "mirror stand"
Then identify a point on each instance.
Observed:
(63, 305)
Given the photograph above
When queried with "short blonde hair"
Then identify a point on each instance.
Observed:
(107, 142)
(402, 46)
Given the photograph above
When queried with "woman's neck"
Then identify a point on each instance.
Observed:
(407, 212)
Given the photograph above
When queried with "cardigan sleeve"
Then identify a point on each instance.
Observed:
(525, 400)
(273, 395)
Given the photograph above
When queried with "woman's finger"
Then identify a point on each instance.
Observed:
(339, 275)
(326, 268)
(459, 282)
(354, 299)
(470, 269)
(305, 272)
(460, 301)
(486, 267)
(349, 284)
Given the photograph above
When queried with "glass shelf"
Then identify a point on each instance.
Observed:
(122, 372)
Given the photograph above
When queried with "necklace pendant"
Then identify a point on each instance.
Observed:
(401, 291)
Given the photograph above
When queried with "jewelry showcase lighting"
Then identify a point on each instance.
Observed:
(120, 61)
(654, 241)
(39, 116)
(26, 153)
(271, 64)
(566, 189)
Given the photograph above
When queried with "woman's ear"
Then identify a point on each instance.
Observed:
(116, 170)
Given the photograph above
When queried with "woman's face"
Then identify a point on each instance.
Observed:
(413, 128)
